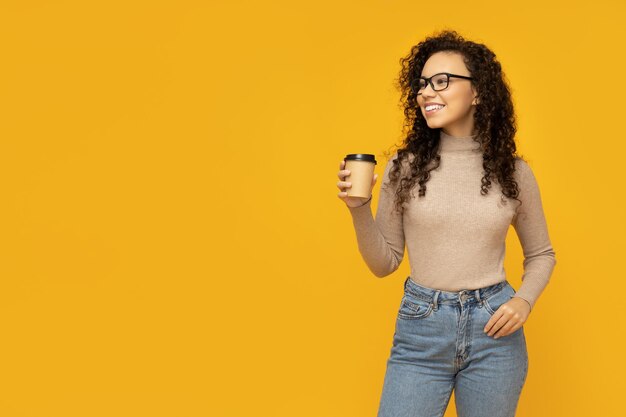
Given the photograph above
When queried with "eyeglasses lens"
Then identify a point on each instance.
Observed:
(440, 82)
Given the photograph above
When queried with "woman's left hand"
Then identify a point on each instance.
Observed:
(508, 318)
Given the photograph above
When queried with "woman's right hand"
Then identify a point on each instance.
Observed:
(343, 185)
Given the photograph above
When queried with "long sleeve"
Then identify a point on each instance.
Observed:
(380, 241)
(530, 224)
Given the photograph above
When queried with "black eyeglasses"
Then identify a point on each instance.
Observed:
(438, 81)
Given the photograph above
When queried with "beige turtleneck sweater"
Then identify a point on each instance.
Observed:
(455, 237)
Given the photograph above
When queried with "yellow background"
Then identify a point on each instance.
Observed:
(171, 239)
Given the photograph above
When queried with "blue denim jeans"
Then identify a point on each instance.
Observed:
(439, 346)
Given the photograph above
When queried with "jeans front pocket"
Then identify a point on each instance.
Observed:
(412, 307)
(495, 301)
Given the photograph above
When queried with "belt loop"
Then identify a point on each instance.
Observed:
(435, 297)
(406, 281)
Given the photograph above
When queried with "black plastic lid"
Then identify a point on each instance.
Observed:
(366, 157)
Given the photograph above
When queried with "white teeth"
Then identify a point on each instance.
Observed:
(434, 106)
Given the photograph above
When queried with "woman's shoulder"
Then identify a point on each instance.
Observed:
(404, 161)
(523, 171)
(525, 178)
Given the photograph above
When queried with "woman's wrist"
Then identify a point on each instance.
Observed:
(367, 201)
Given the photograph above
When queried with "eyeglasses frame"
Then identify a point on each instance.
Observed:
(429, 80)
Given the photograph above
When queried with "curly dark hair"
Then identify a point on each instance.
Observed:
(494, 118)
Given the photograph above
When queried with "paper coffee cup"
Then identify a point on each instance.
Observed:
(361, 167)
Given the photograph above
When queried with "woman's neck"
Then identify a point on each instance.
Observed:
(458, 144)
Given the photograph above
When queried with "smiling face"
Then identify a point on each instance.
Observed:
(456, 118)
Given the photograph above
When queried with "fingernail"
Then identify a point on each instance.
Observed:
(496, 337)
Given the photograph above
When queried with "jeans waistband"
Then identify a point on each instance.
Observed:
(452, 297)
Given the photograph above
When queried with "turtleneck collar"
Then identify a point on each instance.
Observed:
(458, 144)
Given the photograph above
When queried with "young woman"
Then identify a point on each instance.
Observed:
(460, 322)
